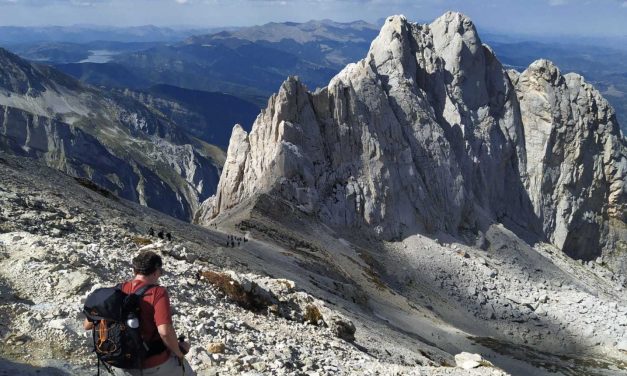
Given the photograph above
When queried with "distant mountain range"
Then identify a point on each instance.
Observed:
(301, 33)
(251, 62)
(17, 35)
(70, 52)
(113, 140)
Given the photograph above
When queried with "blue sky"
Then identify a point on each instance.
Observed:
(567, 17)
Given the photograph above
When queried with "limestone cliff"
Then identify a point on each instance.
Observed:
(426, 134)
(410, 138)
(577, 161)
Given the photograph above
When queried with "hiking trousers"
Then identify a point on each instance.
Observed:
(170, 368)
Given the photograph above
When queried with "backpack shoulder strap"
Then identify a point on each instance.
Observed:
(141, 291)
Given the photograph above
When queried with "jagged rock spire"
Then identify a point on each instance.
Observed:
(423, 135)
(577, 158)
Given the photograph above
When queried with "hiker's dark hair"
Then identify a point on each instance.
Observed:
(146, 263)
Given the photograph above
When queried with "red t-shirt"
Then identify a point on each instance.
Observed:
(154, 311)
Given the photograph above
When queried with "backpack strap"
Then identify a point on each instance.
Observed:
(142, 290)
(157, 346)
(99, 360)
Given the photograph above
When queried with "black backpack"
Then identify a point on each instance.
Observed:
(117, 343)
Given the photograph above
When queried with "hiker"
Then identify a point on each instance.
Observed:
(160, 234)
(151, 231)
(168, 236)
(166, 354)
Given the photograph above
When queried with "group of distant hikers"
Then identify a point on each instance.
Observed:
(160, 234)
(231, 240)
(132, 325)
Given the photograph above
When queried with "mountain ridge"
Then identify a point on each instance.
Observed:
(441, 95)
(310, 31)
(142, 155)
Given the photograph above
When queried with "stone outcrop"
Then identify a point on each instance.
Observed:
(95, 250)
(70, 238)
(427, 134)
(469, 361)
(114, 141)
(577, 160)
(409, 139)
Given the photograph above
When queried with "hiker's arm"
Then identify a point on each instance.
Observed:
(168, 335)
(163, 320)
(88, 325)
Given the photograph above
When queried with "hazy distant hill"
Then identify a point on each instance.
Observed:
(10, 35)
(311, 31)
(69, 52)
(252, 62)
(110, 75)
(209, 116)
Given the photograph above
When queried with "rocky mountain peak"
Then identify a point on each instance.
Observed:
(577, 161)
(430, 134)
(545, 70)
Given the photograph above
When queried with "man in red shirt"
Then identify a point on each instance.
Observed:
(155, 321)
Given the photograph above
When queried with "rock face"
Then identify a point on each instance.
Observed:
(394, 142)
(113, 141)
(95, 250)
(428, 134)
(577, 160)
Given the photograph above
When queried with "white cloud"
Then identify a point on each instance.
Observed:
(555, 3)
(182, 1)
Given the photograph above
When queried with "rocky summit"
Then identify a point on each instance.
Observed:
(576, 163)
(430, 134)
